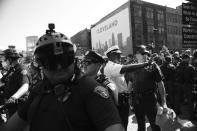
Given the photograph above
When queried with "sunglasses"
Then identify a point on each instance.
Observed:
(56, 62)
(87, 63)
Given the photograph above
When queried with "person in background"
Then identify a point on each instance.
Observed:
(116, 72)
(35, 74)
(145, 83)
(168, 70)
(16, 80)
(189, 76)
(92, 63)
(194, 90)
(64, 101)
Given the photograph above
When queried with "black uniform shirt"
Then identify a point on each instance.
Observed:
(16, 80)
(89, 108)
(189, 75)
(144, 80)
(168, 71)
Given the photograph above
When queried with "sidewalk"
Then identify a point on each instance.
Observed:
(132, 125)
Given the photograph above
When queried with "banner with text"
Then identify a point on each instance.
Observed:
(189, 37)
(189, 14)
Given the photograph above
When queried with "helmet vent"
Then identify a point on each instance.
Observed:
(62, 35)
(45, 38)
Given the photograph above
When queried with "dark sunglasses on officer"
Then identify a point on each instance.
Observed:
(52, 59)
(88, 62)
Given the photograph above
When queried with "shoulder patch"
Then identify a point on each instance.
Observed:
(102, 91)
(24, 72)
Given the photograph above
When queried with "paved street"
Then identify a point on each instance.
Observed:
(132, 126)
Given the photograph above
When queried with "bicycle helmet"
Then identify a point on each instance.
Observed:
(53, 49)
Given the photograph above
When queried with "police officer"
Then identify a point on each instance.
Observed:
(16, 79)
(35, 74)
(168, 71)
(116, 72)
(188, 84)
(194, 90)
(92, 63)
(145, 83)
(63, 101)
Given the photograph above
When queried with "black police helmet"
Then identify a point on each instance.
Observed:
(54, 48)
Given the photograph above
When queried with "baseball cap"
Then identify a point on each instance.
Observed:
(113, 49)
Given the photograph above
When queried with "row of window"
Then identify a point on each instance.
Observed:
(174, 30)
(171, 17)
(174, 18)
(149, 12)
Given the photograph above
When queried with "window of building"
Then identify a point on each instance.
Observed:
(161, 29)
(168, 17)
(160, 15)
(150, 28)
(150, 33)
(149, 13)
(137, 10)
(168, 30)
(150, 38)
(177, 30)
(179, 19)
(138, 31)
(175, 18)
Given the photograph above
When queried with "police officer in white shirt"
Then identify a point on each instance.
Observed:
(116, 71)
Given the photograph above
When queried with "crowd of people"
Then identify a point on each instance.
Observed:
(57, 91)
(179, 70)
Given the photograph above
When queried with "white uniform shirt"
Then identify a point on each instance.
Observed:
(1, 75)
(112, 71)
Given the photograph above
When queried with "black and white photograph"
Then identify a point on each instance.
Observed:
(98, 65)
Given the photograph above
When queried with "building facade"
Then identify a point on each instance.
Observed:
(151, 24)
(30, 44)
(174, 27)
(148, 24)
(83, 41)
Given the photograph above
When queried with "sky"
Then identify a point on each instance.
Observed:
(22, 18)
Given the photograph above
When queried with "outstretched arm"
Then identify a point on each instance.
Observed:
(133, 67)
(21, 91)
(162, 92)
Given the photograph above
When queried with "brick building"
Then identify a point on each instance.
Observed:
(150, 23)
